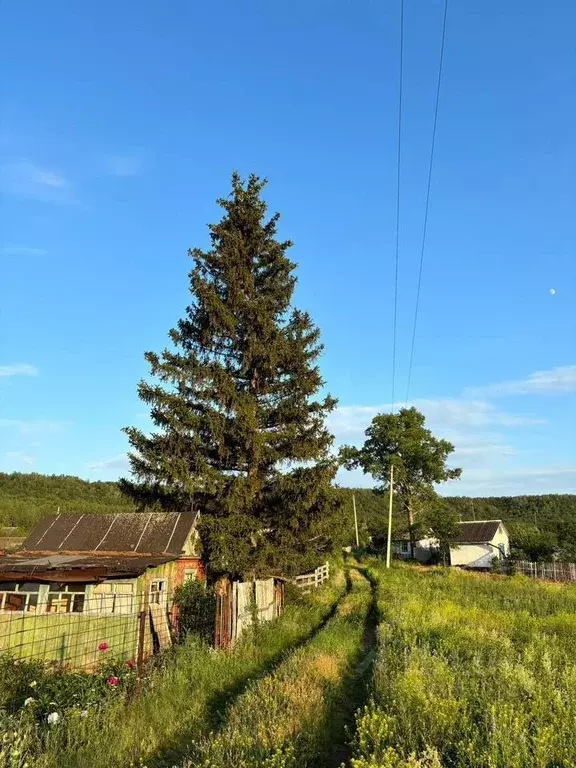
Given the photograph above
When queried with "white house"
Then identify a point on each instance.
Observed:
(423, 551)
(478, 542)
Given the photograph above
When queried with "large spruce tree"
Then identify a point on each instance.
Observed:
(240, 435)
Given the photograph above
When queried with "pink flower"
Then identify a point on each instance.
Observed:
(130, 664)
(103, 646)
(113, 681)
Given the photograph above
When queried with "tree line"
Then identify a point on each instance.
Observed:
(25, 497)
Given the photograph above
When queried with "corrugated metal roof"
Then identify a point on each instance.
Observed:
(130, 532)
(477, 531)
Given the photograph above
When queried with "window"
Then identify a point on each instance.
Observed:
(190, 574)
(404, 547)
(158, 592)
(66, 598)
(22, 596)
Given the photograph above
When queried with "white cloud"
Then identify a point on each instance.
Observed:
(21, 457)
(124, 165)
(516, 480)
(18, 369)
(31, 427)
(21, 250)
(30, 180)
(119, 462)
(348, 422)
(477, 429)
(559, 380)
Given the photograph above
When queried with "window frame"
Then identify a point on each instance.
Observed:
(39, 593)
(161, 593)
(70, 597)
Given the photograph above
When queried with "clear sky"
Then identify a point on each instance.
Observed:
(120, 125)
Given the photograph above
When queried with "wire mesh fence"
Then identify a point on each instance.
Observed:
(71, 629)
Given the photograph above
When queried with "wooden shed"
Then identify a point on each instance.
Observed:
(81, 582)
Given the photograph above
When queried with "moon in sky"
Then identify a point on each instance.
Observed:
(552, 291)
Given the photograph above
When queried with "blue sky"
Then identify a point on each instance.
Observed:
(120, 125)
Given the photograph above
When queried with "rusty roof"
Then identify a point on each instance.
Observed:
(36, 566)
(150, 533)
(477, 531)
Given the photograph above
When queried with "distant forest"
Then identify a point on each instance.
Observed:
(24, 498)
(539, 526)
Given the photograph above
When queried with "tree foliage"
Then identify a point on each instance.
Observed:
(419, 460)
(239, 432)
(26, 497)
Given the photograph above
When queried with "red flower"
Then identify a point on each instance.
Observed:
(103, 646)
(130, 664)
(113, 681)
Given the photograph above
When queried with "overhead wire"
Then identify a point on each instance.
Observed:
(427, 204)
(398, 178)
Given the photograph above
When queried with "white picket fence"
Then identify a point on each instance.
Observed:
(313, 580)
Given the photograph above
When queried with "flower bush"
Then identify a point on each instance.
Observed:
(31, 689)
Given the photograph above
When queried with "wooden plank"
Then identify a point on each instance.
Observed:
(160, 625)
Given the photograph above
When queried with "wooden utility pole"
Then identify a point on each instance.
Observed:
(355, 520)
(389, 547)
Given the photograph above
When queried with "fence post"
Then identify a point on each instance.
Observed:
(141, 641)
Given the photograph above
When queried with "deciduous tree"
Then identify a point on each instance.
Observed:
(419, 459)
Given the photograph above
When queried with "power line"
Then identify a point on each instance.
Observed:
(426, 207)
(397, 251)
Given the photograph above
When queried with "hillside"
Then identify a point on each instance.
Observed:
(24, 498)
(552, 516)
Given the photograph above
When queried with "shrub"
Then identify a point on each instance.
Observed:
(196, 604)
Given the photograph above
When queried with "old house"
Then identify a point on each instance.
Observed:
(478, 542)
(83, 580)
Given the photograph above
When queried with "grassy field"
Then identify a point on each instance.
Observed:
(429, 668)
(472, 672)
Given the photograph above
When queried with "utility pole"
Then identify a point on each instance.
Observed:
(389, 548)
(355, 520)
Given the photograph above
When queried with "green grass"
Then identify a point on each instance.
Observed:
(472, 672)
(186, 699)
(293, 717)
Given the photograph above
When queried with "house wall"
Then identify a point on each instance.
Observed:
(72, 639)
(422, 551)
(464, 554)
(186, 564)
(501, 539)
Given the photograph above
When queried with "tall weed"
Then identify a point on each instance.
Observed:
(472, 671)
